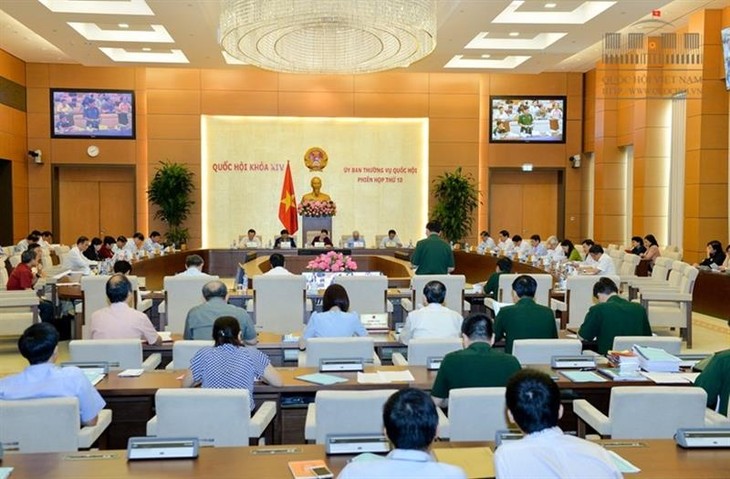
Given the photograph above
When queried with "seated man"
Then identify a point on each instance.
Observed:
(23, 278)
(600, 263)
(505, 244)
(250, 240)
(475, 366)
(533, 402)
(121, 251)
(153, 244)
(538, 249)
(33, 238)
(391, 241)
(486, 243)
(715, 379)
(324, 238)
(137, 245)
(522, 248)
(612, 316)
(277, 262)
(504, 266)
(434, 320)
(525, 319)
(75, 259)
(355, 241)
(43, 379)
(200, 319)
(193, 266)
(284, 238)
(46, 239)
(118, 320)
(410, 421)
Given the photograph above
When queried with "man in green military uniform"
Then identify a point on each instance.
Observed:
(433, 255)
(612, 316)
(715, 379)
(525, 319)
(475, 366)
(491, 289)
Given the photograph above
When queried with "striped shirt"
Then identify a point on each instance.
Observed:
(229, 367)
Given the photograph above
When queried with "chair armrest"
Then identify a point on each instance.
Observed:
(656, 295)
(407, 304)
(310, 424)
(444, 427)
(489, 303)
(170, 366)
(715, 419)
(152, 426)
(588, 352)
(557, 305)
(144, 305)
(263, 417)
(388, 306)
(151, 363)
(466, 306)
(592, 416)
(399, 360)
(301, 359)
(162, 307)
(89, 434)
(250, 306)
(308, 305)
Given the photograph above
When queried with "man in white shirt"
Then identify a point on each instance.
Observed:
(119, 320)
(410, 421)
(193, 266)
(32, 238)
(533, 402)
(434, 320)
(75, 259)
(137, 246)
(600, 263)
(277, 265)
(538, 249)
(250, 240)
(391, 241)
(152, 244)
(355, 241)
(505, 243)
(120, 250)
(486, 244)
(521, 247)
(46, 239)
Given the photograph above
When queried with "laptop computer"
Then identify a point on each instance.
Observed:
(375, 322)
(94, 371)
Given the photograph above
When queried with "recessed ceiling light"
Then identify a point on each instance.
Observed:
(514, 34)
(123, 25)
(95, 33)
(146, 49)
(486, 55)
(551, 5)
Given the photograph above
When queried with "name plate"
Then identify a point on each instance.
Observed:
(285, 244)
(252, 244)
(356, 444)
(162, 448)
(703, 437)
(572, 362)
(329, 365)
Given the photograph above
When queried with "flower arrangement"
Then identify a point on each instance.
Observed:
(317, 208)
(332, 262)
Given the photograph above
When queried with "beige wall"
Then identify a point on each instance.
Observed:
(170, 101)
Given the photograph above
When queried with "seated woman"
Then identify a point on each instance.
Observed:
(715, 255)
(570, 252)
(92, 252)
(336, 321)
(652, 249)
(726, 264)
(637, 246)
(228, 364)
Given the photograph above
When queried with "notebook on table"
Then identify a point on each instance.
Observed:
(94, 371)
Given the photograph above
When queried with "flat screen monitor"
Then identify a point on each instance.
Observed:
(92, 114)
(527, 119)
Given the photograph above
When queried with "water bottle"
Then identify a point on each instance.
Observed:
(410, 243)
(244, 279)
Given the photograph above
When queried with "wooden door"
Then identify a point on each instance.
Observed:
(95, 201)
(524, 203)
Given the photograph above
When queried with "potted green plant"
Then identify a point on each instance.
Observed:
(456, 197)
(170, 191)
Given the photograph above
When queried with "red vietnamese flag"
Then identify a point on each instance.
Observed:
(288, 204)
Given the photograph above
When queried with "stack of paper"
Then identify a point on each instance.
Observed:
(656, 360)
(627, 362)
(384, 377)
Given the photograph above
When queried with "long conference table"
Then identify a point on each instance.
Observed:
(657, 459)
(132, 400)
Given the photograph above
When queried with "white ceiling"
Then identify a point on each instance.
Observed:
(32, 32)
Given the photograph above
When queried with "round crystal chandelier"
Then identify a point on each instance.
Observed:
(328, 36)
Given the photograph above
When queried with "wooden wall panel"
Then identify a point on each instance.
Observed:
(247, 79)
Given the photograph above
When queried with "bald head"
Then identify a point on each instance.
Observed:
(118, 288)
(214, 289)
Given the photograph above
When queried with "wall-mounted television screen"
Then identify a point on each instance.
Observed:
(726, 55)
(527, 119)
(92, 114)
